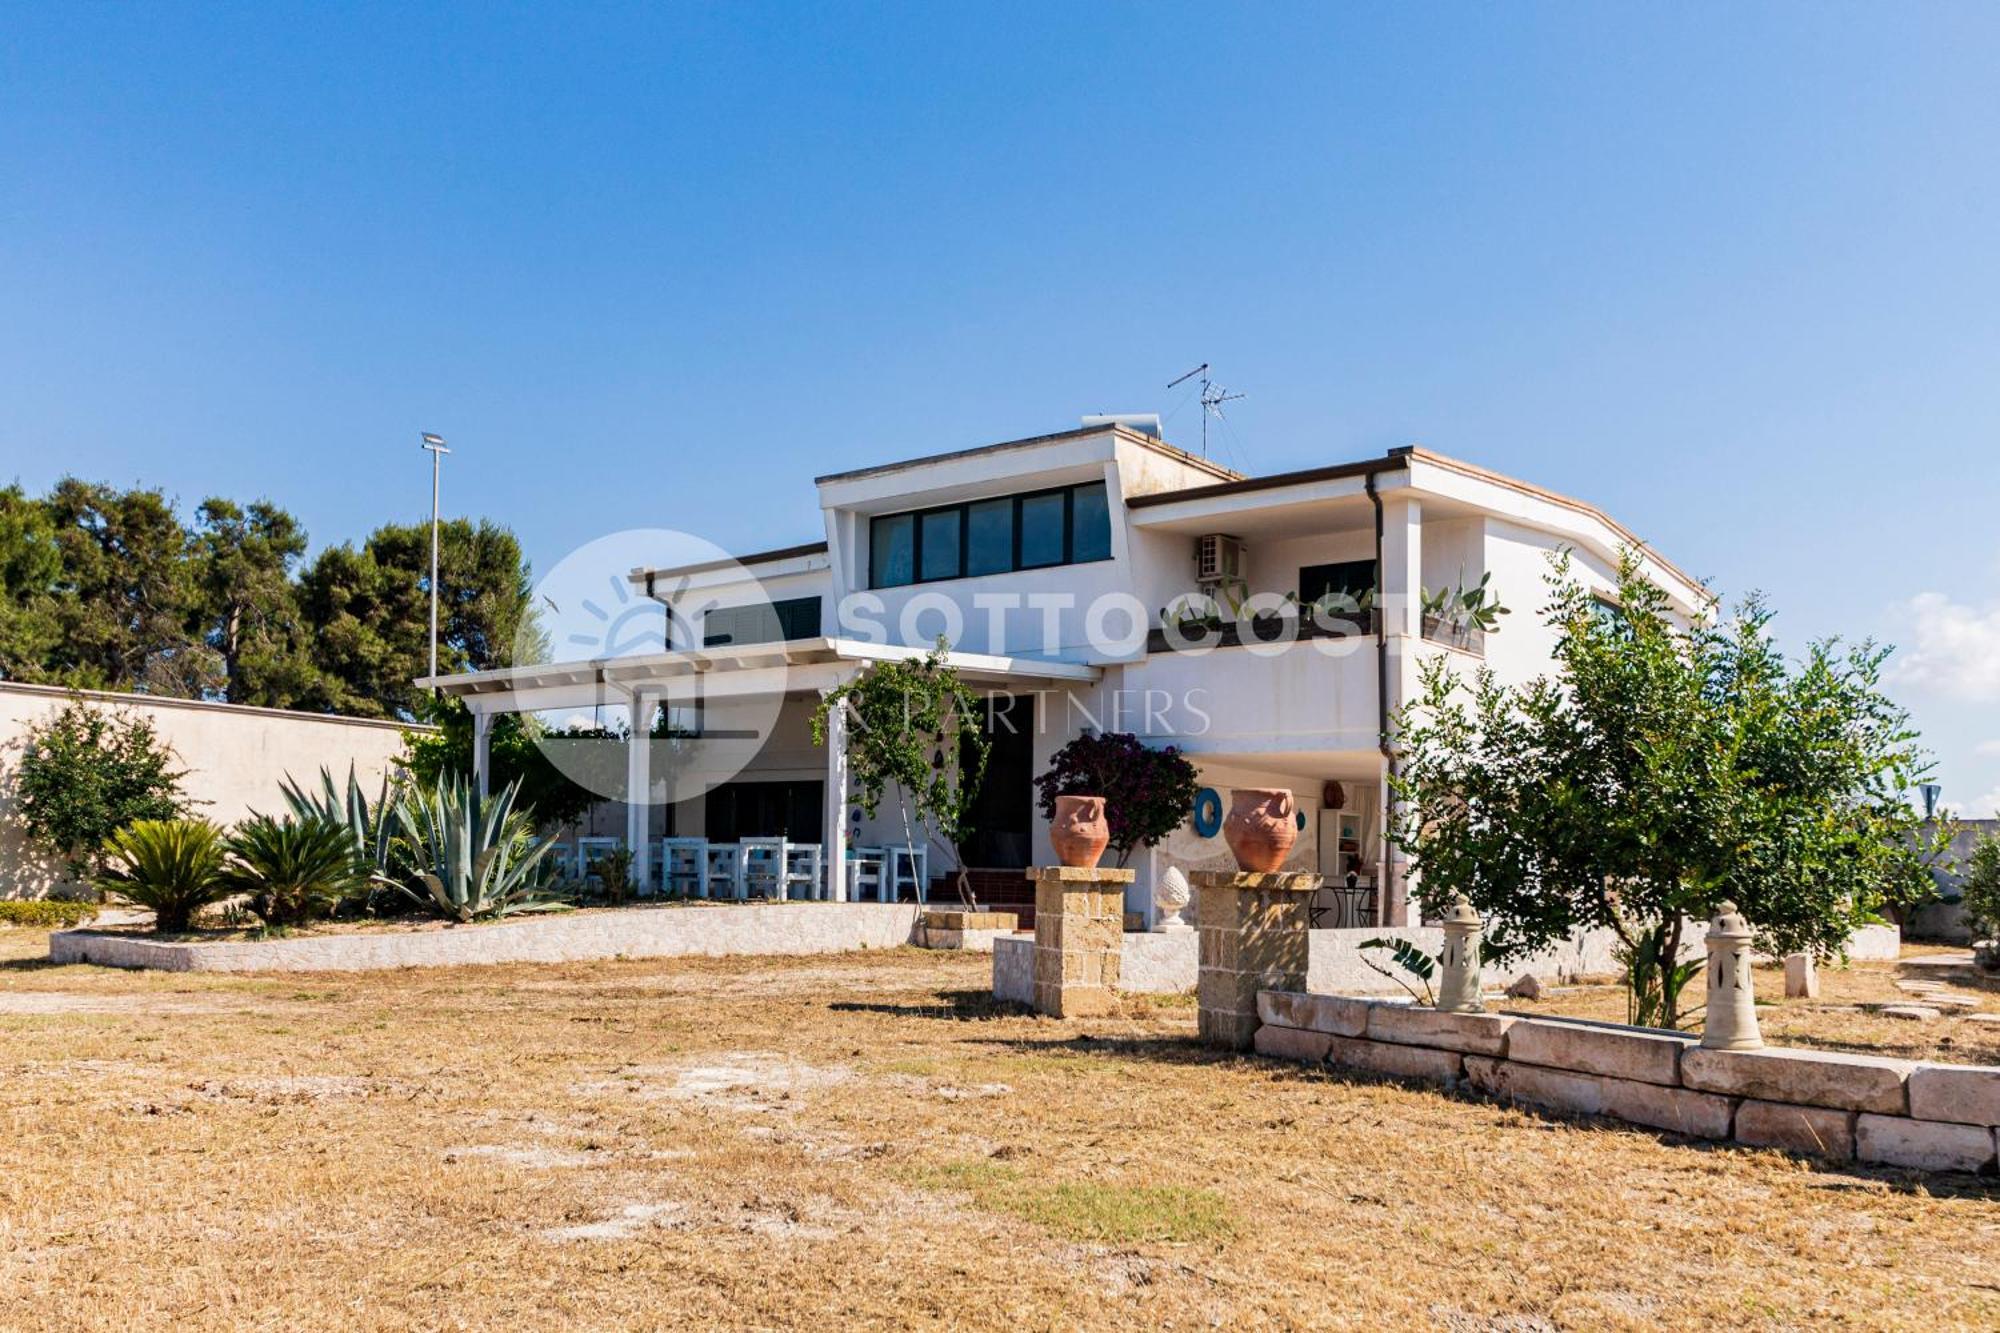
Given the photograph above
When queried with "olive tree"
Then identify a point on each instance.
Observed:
(914, 730)
(1667, 766)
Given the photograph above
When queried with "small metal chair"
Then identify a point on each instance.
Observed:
(867, 868)
(589, 851)
(802, 871)
(912, 866)
(764, 868)
(722, 869)
(684, 866)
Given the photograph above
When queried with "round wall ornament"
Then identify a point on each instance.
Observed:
(1207, 812)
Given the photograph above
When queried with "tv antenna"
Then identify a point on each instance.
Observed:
(1213, 396)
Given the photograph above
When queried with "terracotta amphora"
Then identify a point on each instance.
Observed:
(1261, 828)
(1079, 831)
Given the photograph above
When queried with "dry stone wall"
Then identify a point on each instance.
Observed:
(1832, 1105)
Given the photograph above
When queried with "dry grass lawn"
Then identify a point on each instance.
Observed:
(856, 1141)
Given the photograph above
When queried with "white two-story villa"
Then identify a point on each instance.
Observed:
(1059, 569)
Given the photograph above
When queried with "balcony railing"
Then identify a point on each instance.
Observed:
(1278, 627)
(1274, 628)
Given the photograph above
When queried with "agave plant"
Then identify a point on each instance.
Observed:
(293, 869)
(371, 826)
(476, 857)
(173, 866)
(1462, 609)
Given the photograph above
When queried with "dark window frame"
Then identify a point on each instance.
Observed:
(787, 611)
(963, 509)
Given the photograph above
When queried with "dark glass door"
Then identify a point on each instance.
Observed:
(737, 810)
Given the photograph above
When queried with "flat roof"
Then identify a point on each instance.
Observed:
(653, 667)
(1125, 433)
(1392, 462)
(641, 573)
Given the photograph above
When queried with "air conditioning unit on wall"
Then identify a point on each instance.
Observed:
(1219, 559)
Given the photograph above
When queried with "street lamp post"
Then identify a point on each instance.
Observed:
(434, 445)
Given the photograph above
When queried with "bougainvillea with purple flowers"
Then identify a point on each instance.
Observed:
(1147, 792)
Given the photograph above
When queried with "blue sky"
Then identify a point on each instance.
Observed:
(1728, 271)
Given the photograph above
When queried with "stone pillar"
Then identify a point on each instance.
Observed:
(1458, 988)
(1731, 1022)
(1255, 935)
(1079, 932)
(1801, 977)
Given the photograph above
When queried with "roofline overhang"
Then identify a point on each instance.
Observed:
(646, 575)
(1124, 433)
(1400, 460)
(626, 673)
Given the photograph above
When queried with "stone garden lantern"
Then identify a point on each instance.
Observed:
(1458, 989)
(1731, 1023)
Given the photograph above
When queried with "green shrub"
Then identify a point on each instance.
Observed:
(173, 866)
(46, 913)
(293, 869)
(1980, 883)
(88, 772)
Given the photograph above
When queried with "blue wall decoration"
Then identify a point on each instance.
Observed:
(1300, 819)
(1207, 812)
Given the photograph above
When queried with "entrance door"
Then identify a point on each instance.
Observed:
(1004, 811)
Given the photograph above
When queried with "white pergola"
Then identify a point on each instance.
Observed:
(641, 684)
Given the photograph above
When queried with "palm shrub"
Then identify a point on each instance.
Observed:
(173, 866)
(476, 857)
(293, 869)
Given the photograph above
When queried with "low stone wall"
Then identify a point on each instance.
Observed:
(1166, 963)
(956, 928)
(1159, 963)
(1824, 1104)
(655, 932)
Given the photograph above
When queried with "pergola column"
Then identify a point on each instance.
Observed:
(482, 753)
(638, 786)
(833, 817)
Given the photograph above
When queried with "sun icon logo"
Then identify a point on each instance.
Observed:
(628, 627)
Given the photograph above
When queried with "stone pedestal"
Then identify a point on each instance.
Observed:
(1458, 987)
(1801, 977)
(1730, 1021)
(1079, 931)
(1255, 935)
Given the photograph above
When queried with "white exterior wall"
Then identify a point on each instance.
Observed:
(1300, 716)
(235, 759)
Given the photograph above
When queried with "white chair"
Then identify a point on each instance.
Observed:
(683, 866)
(802, 871)
(722, 869)
(909, 866)
(867, 868)
(764, 867)
(589, 851)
